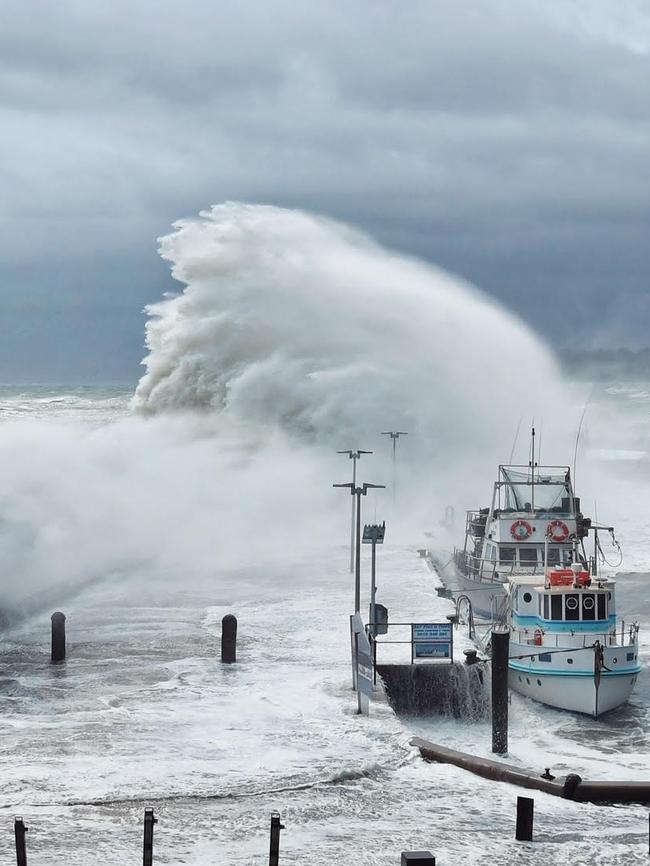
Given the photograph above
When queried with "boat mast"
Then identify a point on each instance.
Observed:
(532, 465)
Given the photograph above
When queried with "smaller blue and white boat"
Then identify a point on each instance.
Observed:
(567, 648)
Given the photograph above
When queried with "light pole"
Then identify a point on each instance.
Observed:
(394, 435)
(354, 456)
(358, 492)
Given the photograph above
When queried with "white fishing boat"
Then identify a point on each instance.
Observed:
(525, 564)
(567, 648)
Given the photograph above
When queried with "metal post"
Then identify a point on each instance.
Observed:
(19, 832)
(524, 830)
(373, 588)
(58, 636)
(147, 847)
(358, 492)
(354, 456)
(229, 639)
(357, 566)
(500, 648)
(274, 850)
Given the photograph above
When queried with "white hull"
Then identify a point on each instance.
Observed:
(577, 694)
(571, 684)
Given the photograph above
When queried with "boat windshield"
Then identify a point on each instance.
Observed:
(548, 494)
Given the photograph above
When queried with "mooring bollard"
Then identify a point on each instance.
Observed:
(58, 636)
(500, 647)
(418, 858)
(525, 808)
(274, 850)
(19, 831)
(229, 639)
(147, 846)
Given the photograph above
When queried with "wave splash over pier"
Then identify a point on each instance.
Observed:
(294, 321)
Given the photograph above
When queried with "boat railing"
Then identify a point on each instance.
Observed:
(610, 638)
(492, 571)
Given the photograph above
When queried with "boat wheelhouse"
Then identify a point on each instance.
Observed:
(532, 522)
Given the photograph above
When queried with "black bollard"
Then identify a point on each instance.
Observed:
(524, 831)
(19, 831)
(500, 648)
(418, 858)
(58, 636)
(147, 847)
(229, 639)
(274, 850)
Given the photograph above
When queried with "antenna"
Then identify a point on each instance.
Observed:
(514, 444)
(575, 450)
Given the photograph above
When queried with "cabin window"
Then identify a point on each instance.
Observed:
(492, 552)
(556, 607)
(544, 657)
(545, 607)
(553, 557)
(507, 554)
(528, 555)
(588, 607)
(602, 606)
(571, 607)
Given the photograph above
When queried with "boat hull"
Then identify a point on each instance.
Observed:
(570, 684)
(485, 597)
(577, 694)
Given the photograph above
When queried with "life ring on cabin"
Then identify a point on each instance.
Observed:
(557, 530)
(537, 636)
(521, 530)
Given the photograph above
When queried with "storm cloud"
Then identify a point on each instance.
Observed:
(506, 141)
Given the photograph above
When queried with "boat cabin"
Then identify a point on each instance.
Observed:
(532, 523)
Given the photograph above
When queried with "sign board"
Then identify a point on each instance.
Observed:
(362, 656)
(432, 640)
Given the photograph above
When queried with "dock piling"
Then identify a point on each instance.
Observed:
(229, 639)
(500, 649)
(418, 858)
(274, 849)
(525, 809)
(58, 637)
(19, 832)
(147, 846)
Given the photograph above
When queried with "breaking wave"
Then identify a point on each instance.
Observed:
(297, 322)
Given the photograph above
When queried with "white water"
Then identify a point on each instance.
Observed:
(291, 339)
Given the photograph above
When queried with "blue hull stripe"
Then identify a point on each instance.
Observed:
(556, 672)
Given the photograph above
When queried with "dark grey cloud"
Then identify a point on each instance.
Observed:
(509, 141)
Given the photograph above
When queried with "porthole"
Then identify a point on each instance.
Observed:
(539, 682)
(614, 660)
(569, 661)
(519, 678)
(527, 597)
(527, 680)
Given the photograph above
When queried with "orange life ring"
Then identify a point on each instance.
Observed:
(521, 530)
(557, 530)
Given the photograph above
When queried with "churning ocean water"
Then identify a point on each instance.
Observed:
(146, 519)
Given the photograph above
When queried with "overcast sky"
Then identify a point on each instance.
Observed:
(506, 140)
